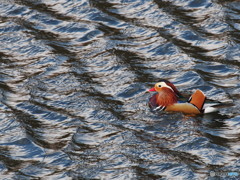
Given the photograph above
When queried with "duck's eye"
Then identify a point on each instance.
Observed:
(159, 85)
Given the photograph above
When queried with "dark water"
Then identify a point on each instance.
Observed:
(72, 88)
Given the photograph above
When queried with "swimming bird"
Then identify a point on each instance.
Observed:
(167, 97)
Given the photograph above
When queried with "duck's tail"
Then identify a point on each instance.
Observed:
(198, 99)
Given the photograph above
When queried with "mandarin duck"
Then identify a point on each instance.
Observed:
(167, 97)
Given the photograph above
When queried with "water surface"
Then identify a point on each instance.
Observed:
(73, 78)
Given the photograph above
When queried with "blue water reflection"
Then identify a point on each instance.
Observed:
(73, 78)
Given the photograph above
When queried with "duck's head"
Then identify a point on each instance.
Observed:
(163, 84)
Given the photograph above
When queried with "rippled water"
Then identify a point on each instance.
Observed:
(72, 88)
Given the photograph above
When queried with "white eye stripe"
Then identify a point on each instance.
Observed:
(163, 84)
